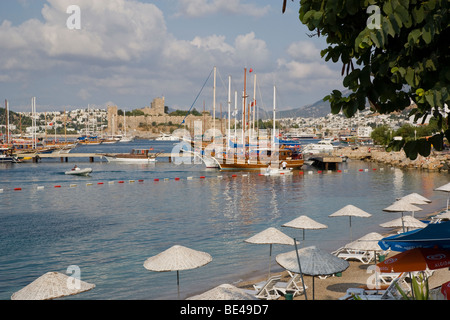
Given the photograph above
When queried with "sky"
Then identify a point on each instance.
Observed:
(128, 52)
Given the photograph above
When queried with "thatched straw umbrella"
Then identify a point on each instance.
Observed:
(224, 292)
(402, 206)
(304, 222)
(177, 258)
(351, 211)
(404, 222)
(271, 236)
(313, 262)
(50, 286)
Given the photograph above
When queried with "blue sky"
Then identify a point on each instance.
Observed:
(128, 52)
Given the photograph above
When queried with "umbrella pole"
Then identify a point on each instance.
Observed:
(178, 284)
(300, 269)
(270, 259)
(350, 219)
(314, 293)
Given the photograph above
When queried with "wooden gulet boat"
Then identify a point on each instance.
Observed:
(135, 156)
(251, 160)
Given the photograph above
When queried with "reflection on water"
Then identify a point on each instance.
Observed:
(109, 230)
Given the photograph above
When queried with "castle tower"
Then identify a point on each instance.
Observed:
(112, 120)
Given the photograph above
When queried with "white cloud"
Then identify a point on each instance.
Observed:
(200, 8)
(305, 50)
(302, 70)
(213, 42)
(125, 51)
(251, 50)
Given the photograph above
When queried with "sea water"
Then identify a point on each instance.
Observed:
(108, 224)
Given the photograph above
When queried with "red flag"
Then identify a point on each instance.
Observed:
(251, 70)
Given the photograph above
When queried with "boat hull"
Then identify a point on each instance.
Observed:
(129, 159)
(276, 172)
(81, 172)
(293, 164)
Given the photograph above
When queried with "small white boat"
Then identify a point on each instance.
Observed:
(79, 171)
(276, 171)
(167, 137)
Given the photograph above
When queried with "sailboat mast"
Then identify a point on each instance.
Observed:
(7, 121)
(214, 106)
(235, 116)
(254, 103)
(229, 113)
(274, 108)
(243, 99)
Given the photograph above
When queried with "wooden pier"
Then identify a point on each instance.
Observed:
(325, 161)
(35, 157)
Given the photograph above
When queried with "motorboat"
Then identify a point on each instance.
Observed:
(6, 155)
(322, 146)
(276, 171)
(79, 172)
(167, 137)
(135, 156)
(126, 139)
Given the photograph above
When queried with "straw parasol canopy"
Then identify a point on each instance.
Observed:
(445, 188)
(224, 292)
(404, 222)
(369, 242)
(177, 258)
(444, 215)
(402, 206)
(270, 236)
(415, 198)
(304, 222)
(351, 211)
(52, 285)
(312, 261)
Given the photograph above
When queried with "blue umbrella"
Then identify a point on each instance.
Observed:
(433, 235)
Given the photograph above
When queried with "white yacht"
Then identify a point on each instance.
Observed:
(323, 146)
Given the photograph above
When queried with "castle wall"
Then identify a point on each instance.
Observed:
(154, 116)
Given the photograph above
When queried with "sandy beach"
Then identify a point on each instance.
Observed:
(333, 287)
(355, 276)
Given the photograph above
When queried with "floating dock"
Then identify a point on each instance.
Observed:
(35, 157)
(325, 161)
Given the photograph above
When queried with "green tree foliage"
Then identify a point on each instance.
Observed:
(390, 58)
(184, 113)
(381, 135)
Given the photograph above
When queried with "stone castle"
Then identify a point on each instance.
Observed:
(153, 121)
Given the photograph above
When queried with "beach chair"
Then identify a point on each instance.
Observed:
(294, 285)
(267, 291)
(258, 286)
(363, 256)
(390, 293)
(388, 277)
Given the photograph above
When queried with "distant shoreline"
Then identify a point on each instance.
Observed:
(437, 161)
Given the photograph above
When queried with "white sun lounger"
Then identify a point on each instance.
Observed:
(294, 285)
(267, 290)
(391, 293)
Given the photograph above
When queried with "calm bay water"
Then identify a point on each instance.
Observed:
(110, 229)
